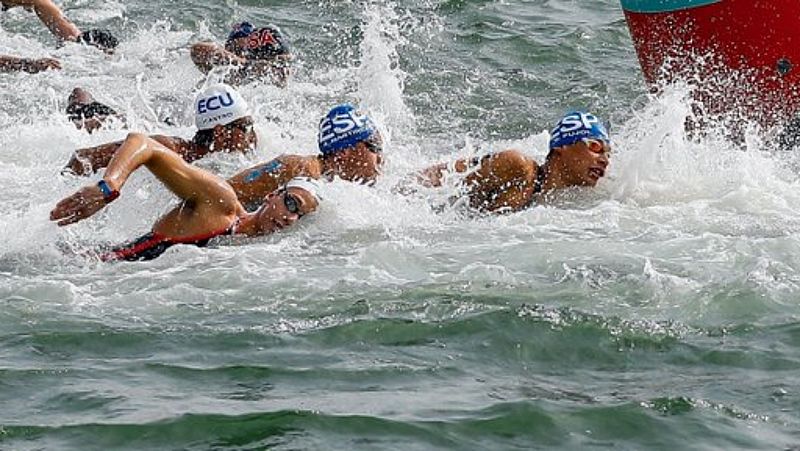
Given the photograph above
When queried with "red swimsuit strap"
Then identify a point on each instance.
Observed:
(202, 237)
(154, 239)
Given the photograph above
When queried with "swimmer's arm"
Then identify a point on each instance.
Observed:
(50, 15)
(186, 181)
(29, 65)
(252, 184)
(208, 55)
(89, 160)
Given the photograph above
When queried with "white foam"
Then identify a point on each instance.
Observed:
(672, 213)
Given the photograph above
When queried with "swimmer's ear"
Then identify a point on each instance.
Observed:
(218, 130)
(555, 151)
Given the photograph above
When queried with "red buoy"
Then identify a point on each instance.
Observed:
(742, 54)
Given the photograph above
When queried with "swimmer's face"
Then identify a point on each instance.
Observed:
(586, 161)
(237, 46)
(282, 208)
(90, 125)
(362, 162)
(238, 136)
(254, 47)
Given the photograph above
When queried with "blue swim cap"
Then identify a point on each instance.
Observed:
(241, 30)
(576, 126)
(343, 127)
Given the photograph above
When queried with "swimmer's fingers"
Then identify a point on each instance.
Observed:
(49, 63)
(67, 221)
(64, 213)
(80, 205)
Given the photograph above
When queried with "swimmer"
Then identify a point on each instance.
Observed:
(255, 53)
(350, 147)
(208, 208)
(29, 65)
(52, 17)
(223, 122)
(88, 114)
(509, 181)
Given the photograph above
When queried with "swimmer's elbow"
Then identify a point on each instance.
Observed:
(139, 142)
(136, 137)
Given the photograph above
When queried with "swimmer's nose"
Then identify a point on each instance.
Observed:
(603, 159)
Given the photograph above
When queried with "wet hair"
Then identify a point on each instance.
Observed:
(102, 39)
(204, 138)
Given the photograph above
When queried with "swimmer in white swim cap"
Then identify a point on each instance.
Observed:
(222, 116)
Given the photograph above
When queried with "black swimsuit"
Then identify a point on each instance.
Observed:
(539, 182)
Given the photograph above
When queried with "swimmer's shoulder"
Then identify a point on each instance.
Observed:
(513, 162)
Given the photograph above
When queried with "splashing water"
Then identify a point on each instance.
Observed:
(658, 310)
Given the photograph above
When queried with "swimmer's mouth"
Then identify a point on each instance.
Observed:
(597, 173)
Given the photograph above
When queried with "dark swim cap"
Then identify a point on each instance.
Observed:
(262, 43)
(102, 39)
(241, 30)
(83, 111)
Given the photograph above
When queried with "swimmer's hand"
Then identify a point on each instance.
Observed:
(81, 205)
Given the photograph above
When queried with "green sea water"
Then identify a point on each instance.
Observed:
(658, 311)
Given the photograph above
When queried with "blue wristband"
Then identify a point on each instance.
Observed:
(108, 193)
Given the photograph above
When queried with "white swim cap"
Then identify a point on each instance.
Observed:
(306, 183)
(219, 104)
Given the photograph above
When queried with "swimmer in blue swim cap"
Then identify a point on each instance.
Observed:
(510, 181)
(208, 205)
(58, 24)
(350, 148)
(222, 117)
(253, 53)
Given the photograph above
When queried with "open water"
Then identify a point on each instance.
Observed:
(658, 311)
